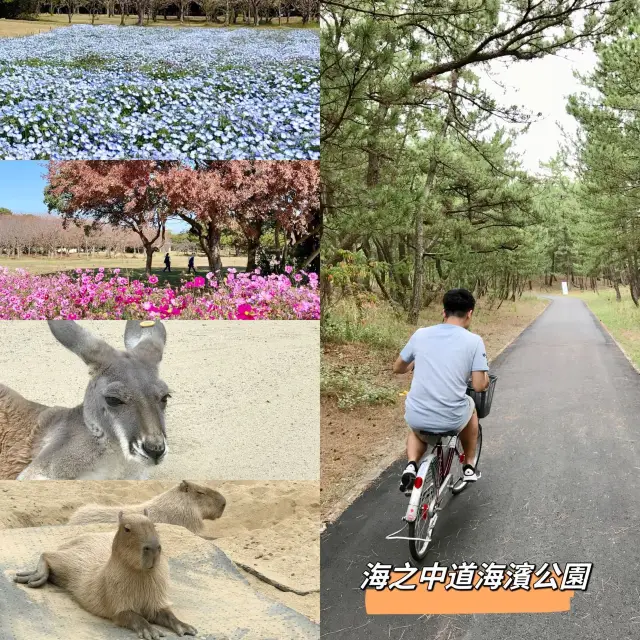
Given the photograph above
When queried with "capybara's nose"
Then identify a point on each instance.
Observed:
(154, 450)
(223, 503)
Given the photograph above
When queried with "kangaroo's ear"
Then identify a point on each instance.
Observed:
(93, 351)
(145, 339)
(184, 486)
(145, 512)
(120, 516)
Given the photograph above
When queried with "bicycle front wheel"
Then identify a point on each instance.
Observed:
(421, 530)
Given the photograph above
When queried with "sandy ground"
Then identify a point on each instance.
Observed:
(245, 401)
(270, 530)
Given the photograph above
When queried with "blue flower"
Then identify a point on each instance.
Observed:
(162, 92)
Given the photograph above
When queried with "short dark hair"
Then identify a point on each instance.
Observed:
(458, 302)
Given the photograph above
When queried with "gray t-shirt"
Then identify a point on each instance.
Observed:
(445, 355)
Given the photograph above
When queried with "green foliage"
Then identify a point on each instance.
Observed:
(5, 212)
(420, 176)
(608, 160)
(18, 9)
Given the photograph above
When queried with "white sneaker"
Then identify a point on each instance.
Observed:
(469, 473)
(408, 477)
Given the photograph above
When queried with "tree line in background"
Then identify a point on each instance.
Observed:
(247, 12)
(30, 235)
(421, 187)
(264, 200)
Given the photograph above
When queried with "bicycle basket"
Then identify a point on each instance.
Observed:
(484, 398)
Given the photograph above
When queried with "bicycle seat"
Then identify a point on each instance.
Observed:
(441, 434)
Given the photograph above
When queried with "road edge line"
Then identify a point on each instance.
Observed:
(608, 332)
(356, 491)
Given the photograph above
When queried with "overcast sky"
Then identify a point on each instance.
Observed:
(541, 86)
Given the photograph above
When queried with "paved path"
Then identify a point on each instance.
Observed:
(561, 482)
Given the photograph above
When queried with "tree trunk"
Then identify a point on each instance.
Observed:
(616, 286)
(212, 249)
(252, 253)
(149, 259)
(633, 279)
(418, 263)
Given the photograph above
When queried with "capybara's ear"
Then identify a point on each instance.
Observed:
(184, 486)
(146, 512)
(120, 516)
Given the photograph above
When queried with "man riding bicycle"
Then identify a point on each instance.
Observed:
(443, 358)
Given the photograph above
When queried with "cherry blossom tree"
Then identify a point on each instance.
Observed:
(120, 193)
(261, 191)
(212, 195)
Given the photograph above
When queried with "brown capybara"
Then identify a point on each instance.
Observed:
(124, 578)
(186, 505)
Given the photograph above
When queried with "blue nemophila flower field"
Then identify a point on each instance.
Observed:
(106, 92)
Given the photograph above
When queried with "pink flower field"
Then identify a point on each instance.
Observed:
(106, 294)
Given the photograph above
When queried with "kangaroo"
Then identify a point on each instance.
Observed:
(123, 578)
(118, 432)
(186, 505)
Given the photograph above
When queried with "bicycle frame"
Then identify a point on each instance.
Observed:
(443, 477)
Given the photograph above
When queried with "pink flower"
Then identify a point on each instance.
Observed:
(103, 295)
(245, 312)
(153, 279)
(288, 269)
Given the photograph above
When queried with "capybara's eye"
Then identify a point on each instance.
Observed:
(112, 401)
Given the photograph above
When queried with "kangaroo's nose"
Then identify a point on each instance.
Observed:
(154, 450)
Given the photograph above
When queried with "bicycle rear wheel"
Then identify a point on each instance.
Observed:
(422, 528)
(459, 485)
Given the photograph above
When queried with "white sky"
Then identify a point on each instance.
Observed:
(540, 86)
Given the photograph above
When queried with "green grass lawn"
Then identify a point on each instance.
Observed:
(622, 318)
(131, 266)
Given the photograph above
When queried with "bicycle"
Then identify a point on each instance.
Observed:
(439, 470)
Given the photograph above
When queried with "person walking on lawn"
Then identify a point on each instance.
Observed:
(192, 265)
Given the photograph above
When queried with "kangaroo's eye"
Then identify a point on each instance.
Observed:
(112, 401)
(127, 528)
(165, 398)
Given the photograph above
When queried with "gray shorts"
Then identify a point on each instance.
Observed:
(471, 407)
